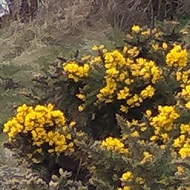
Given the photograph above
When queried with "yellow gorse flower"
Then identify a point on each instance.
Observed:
(180, 170)
(41, 123)
(182, 143)
(135, 134)
(165, 119)
(117, 70)
(147, 157)
(163, 123)
(127, 176)
(75, 71)
(145, 33)
(185, 76)
(185, 129)
(148, 92)
(114, 144)
(124, 188)
(164, 45)
(81, 108)
(185, 150)
(123, 94)
(81, 96)
(178, 142)
(133, 52)
(185, 94)
(136, 28)
(177, 57)
(155, 46)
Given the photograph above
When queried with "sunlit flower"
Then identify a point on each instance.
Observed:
(136, 28)
(114, 144)
(127, 176)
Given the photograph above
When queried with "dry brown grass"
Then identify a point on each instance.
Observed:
(61, 22)
(118, 13)
(66, 17)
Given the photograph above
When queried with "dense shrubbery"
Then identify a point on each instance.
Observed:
(121, 117)
(64, 26)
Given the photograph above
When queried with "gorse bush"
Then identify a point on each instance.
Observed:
(33, 123)
(126, 81)
(121, 117)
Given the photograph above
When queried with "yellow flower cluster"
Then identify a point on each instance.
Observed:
(114, 61)
(107, 93)
(156, 46)
(153, 32)
(136, 28)
(123, 94)
(185, 129)
(127, 176)
(145, 69)
(114, 144)
(131, 52)
(75, 71)
(184, 150)
(165, 119)
(122, 72)
(41, 123)
(134, 100)
(183, 77)
(95, 48)
(82, 97)
(124, 188)
(163, 122)
(182, 143)
(186, 92)
(178, 142)
(177, 57)
(184, 95)
(147, 157)
(58, 142)
(148, 92)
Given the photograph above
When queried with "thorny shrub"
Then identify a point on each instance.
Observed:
(127, 113)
